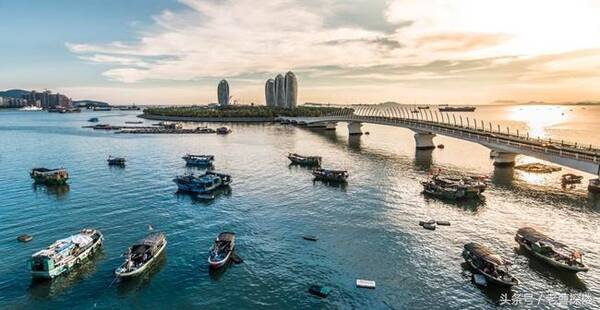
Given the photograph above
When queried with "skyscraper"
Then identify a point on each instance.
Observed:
(280, 91)
(223, 93)
(291, 90)
(270, 92)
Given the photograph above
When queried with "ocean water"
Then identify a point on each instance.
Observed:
(367, 229)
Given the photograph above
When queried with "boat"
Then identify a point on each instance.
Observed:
(423, 107)
(457, 109)
(31, 108)
(141, 255)
(493, 267)
(93, 120)
(116, 161)
(102, 109)
(198, 160)
(223, 130)
(594, 186)
(570, 178)
(556, 254)
(65, 254)
(204, 130)
(330, 175)
(222, 250)
(130, 108)
(203, 184)
(49, 176)
(454, 187)
(310, 161)
(170, 125)
(134, 122)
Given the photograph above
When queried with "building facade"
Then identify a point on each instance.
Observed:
(280, 91)
(270, 93)
(291, 90)
(223, 93)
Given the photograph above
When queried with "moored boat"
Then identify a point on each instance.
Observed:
(569, 178)
(198, 160)
(456, 109)
(31, 108)
(310, 161)
(116, 161)
(203, 184)
(65, 254)
(454, 187)
(493, 267)
(330, 175)
(554, 253)
(93, 120)
(141, 255)
(222, 249)
(223, 130)
(49, 176)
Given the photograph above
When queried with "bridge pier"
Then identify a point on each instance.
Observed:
(424, 140)
(354, 128)
(503, 159)
(330, 126)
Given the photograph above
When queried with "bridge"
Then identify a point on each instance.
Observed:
(505, 145)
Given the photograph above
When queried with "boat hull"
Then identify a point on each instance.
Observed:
(552, 262)
(71, 264)
(487, 276)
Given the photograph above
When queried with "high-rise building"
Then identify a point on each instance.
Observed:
(223, 93)
(280, 91)
(270, 93)
(291, 90)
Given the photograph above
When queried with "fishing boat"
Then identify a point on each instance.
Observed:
(309, 161)
(203, 184)
(65, 254)
(223, 131)
(116, 161)
(556, 254)
(49, 176)
(93, 120)
(134, 122)
(569, 178)
(222, 250)
(594, 186)
(198, 160)
(102, 109)
(330, 175)
(454, 187)
(493, 267)
(141, 255)
(456, 109)
(31, 108)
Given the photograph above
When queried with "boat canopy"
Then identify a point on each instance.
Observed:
(226, 236)
(485, 253)
(151, 240)
(532, 235)
(62, 246)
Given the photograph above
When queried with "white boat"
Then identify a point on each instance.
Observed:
(65, 254)
(142, 255)
(31, 108)
(221, 250)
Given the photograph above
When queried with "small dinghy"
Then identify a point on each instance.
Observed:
(556, 254)
(309, 161)
(116, 161)
(141, 255)
(493, 267)
(198, 160)
(338, 176)
(222, 249)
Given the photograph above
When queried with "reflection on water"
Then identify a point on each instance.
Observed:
(423, 159)
(216, 274)
(46, 288)
(354, 142)
(58, 191)
(538, 118)
(470, 205)
(126, 286)
(503, 176)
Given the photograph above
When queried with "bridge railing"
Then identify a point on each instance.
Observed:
(426, 117)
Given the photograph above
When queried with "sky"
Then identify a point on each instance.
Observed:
(342, 51)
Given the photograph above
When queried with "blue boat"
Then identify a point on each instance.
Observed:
(93, 120)
(198, 160)
(204, 184)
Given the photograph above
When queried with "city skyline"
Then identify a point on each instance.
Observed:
(359, 51)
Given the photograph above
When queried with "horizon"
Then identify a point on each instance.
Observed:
(165, 52)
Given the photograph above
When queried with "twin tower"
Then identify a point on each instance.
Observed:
(282, 92)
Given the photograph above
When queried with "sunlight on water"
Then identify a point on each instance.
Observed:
(538, 118)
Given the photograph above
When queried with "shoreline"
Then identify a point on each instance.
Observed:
(208, 119)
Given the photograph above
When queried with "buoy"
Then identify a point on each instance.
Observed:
(365, 283)
(443, 223)
(310, 237)
(24, 238)
(318, 290)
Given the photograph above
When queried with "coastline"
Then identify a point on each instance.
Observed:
(208, 119)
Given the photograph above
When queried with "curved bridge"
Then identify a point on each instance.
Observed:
(426, 124)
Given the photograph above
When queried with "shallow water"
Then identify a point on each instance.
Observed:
(367, 229)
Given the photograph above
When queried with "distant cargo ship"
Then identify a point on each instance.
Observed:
(456, 109)
(102, 109)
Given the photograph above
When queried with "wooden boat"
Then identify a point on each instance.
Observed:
(556, 254)
(309, 161)
(454, 187)
(198, 160)
(330, 175)
(116, 161)
(493, 267)
(570, 178)
(49, 176)
(65, 254)
(203, 184)
(223, 130)
(594, 186)
(141, 255)
(221, 250)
